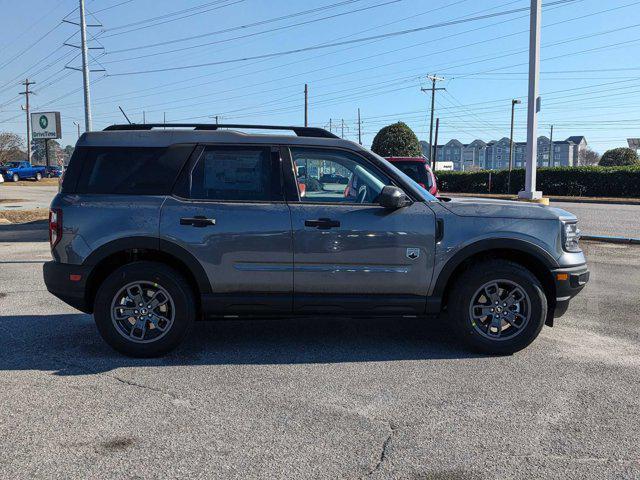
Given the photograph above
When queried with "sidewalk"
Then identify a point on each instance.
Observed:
(552, 198)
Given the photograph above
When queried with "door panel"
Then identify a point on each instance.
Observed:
(244, 247)
(350, 254)
(376, 260)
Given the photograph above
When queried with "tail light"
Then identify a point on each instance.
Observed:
(55, 226)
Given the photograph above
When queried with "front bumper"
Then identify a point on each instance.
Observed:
(569, 281)
(68, 283)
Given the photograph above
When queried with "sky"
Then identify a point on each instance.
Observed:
(246, 61)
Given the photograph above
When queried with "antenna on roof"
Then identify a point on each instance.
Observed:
(125, 115)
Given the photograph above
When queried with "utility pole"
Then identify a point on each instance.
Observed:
(514, 102)
(551, 147)
(330, 126)
(359, 128)
(533, 103)
(342, 129)
(85, 69)
(26, 94)
(433, 89)
(306, 105)
(435, 146)
(144, 117)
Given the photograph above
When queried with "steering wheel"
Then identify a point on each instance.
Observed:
(362, 194)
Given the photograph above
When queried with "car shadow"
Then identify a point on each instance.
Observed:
(70, 345)
(35, 231)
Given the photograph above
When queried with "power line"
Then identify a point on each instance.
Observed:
(248, 35)
(168, 15)
(335, 44)
(239, 27)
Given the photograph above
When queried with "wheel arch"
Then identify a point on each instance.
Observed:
(116, 253)
(527, 254)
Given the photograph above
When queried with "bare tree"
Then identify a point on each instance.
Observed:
(588, 157)
(10, 147)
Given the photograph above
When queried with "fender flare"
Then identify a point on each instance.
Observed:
(152, 243)
(486, 245)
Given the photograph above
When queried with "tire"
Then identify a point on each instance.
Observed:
(152, 277)
(38, 176)
(525, 318)
(15, 177)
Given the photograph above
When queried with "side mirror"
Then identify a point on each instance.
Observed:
(393, 198)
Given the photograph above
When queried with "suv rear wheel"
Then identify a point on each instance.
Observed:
(144, 309)
(498, 307)
(38, 176)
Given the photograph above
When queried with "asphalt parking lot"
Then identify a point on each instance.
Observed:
(321, 398)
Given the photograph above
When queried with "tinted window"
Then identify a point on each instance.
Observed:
(416, 171)
(130, 170)
(335, 176)
(235, 174)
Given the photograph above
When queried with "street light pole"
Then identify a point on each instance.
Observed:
(533, 104)
(514, 102)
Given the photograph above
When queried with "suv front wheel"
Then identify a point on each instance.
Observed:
(497, 307)
(144, 309)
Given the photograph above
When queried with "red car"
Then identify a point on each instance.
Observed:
(418, 170)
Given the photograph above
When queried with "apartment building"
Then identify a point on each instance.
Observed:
(494, 155)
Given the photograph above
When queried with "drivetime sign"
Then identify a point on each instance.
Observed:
(46, 125)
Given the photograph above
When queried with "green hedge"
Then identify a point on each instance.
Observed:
(571, 181)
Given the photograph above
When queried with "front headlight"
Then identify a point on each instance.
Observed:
(570, 236)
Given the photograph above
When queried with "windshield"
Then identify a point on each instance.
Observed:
(12, 164)
(427, 197)
(415, 170)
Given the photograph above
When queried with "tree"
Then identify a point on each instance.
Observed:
(11, 147)
(619, 157)
(396, 140)
(588, 157)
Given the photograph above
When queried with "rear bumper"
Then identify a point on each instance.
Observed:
(62, 281)
(569, 281)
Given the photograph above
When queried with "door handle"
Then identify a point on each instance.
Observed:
(322, 223)
(198, 221)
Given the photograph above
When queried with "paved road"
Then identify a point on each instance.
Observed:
(31, 196)
(323, 398)
(605, 219)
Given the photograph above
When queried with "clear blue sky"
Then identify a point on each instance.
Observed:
(589, 82)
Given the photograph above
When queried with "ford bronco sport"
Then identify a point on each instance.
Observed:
(157, 226)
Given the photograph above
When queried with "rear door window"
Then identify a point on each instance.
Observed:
(240, 174)
(131, 170)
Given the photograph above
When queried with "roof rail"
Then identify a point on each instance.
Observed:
(299, 131)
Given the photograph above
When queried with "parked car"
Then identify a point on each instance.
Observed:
(53, 171)
(419, 170)
(156, 227)
(15, 171)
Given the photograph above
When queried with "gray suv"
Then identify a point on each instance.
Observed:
(157, 226)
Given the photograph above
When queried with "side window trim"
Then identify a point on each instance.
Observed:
(183, 186)
(291, 187)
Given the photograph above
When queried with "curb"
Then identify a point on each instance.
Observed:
(603, 201)
(610, 239)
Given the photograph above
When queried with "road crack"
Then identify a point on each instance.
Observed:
(384, 449)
